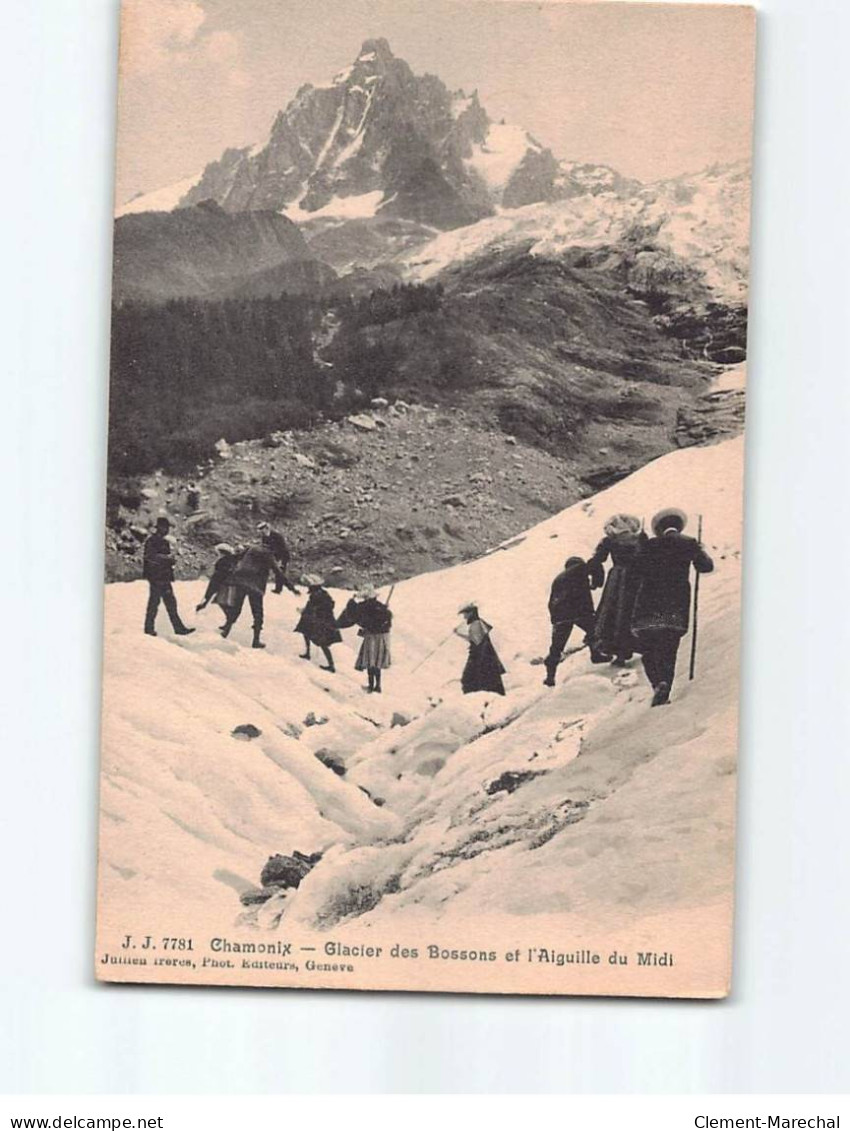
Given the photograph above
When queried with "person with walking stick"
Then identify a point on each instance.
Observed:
(484, 669)
(374, 621)
(661, 615)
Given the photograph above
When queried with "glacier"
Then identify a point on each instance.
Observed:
(610, 812)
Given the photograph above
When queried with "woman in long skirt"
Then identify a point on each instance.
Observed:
(484, 669)
(622, 542)
(375, 621)
(317, 624)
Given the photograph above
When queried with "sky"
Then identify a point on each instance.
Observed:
(653, 90)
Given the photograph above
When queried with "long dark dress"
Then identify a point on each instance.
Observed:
(317, 619)
(484, 669)
(614, 615)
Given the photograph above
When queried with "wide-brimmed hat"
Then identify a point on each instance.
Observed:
(264, 525)
(622, 524)
(313, 579)
(365, 592)
(225, 548)
(671, 518)
(470, 606)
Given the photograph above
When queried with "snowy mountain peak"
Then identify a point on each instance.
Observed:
(396, 143)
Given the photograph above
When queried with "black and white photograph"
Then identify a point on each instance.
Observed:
(423, 519)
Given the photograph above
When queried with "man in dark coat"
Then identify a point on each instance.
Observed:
(274, 541)
(570, 604)
(158, 571)
(249, 579)
(662, 607)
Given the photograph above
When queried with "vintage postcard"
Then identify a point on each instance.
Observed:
(423, 525)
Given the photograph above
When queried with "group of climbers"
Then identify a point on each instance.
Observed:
(242, 573)
(645, 603)
(644, 607)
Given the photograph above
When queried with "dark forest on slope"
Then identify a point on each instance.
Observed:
(539, 348)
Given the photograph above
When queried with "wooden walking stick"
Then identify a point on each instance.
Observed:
(432, 652)
(696, 612)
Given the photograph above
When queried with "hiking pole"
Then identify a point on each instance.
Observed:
(445, 640)
(390, 595)
(696, 611)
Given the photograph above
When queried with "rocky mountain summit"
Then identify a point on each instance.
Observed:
(381, 140)
(391, 176)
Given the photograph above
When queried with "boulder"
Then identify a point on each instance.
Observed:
(314, 720)
(284, 871)
(332, 761)
(363, 422)
(246, 731)
(400, 719)
(511, 780)
(254, 896)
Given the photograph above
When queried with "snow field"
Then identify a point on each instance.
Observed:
(623, 810)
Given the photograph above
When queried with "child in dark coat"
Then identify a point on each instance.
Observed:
(317, 624)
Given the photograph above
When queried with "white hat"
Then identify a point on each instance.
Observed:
(622, 524)
(366, 591)
(313, 579)
(225, 548)
(469, 605)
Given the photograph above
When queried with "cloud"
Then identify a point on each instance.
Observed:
(161, 34)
